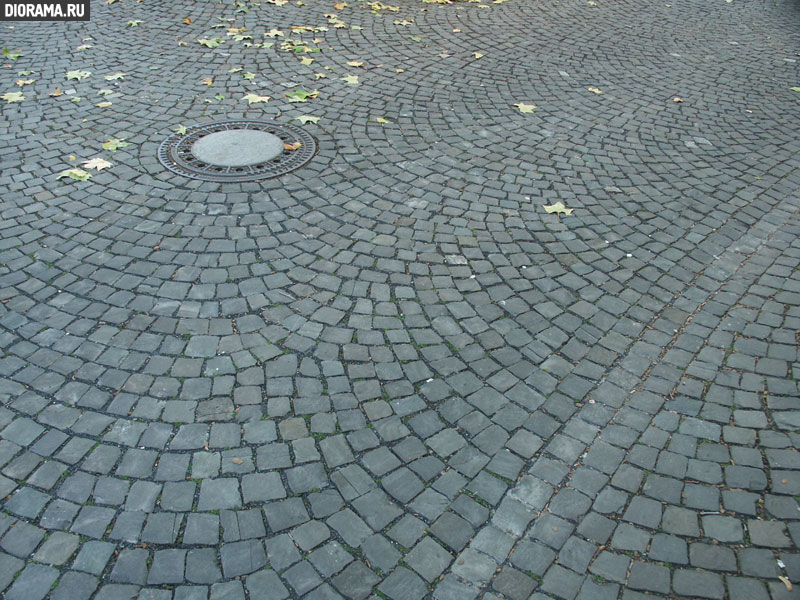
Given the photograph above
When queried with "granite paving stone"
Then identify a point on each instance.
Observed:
(393, 372)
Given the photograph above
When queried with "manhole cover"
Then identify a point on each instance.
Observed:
(237, 150)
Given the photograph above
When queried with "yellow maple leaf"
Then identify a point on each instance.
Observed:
(77, 74)
(351, 79)
(255, 98)
(525, 108)
(355, 63)
(10, 97)
(97, 163)
(306, 60)
(274, 33)
(22, 82)
(75, 173)
(558, 208)
(594, 90)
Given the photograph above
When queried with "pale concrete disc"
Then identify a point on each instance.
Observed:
(237, 147)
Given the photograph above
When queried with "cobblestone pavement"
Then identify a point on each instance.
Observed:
(391, 374)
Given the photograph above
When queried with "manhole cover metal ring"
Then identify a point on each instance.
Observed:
(175, 152)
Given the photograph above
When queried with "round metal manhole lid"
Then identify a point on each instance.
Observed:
(237, 150)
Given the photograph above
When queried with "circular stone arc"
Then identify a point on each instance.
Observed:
(237, 147)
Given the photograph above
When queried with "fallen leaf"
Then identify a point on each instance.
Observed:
(380, 120)
(249, 76)
(12, 55)
(210, 43)
(294, 146)
(416, 38)
(274, 33)
(72, 157)
(301, 95)
(188, 21)
(350, 79)
(105, 104)
(306, 60)
(114, 144)
(320, 76)
(478, 55)
(24, 73)
(255, 98)
(97, 163)
(677, 99)
(23, 82)
(57, 92)
(525, 108)
(795, 89)
(559, 209)
(75, 173)
(305, 119)
(10, 97)
(404, 22)
(207, 81)
(181, 129)
(104, 92)
(594, 90)
(355, 63)
(456, 30)
(340, 6)
(76, 99)
(83, 47)
(400, 70)
(77, 75)
(134, 23)
(786, 582)
(114, 76)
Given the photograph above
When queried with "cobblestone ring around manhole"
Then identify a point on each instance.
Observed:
(237, 151)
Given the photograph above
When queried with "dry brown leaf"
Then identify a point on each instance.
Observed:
(294, 146)
(208, 81)
(237, 461)
(786, 582)
(58, 92)
(188, 21)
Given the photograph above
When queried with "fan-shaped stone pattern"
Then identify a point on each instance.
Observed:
(392, 364)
